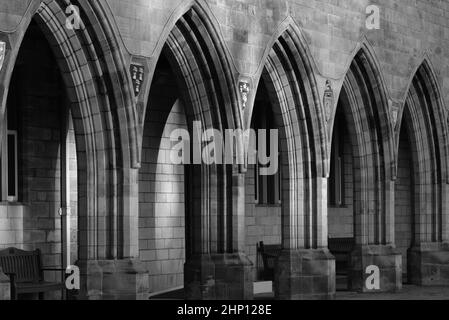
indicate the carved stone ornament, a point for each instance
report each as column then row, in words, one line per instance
column 138, row 77
column 328, row 100
column 244, row 89
column 394, row 112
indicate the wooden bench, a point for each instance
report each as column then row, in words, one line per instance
column 266, row 259
column 26, row 273
column 341, row 248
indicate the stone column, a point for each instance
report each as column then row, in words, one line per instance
column 305, row 268
column 375, row 247
column 429, row 257
column 216, row 267
column 429, row 264
column 385, row 258
column 111, row 269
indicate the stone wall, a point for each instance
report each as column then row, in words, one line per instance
column 11, row 225
column 409, row 31
column 263, row 222
column 162, row 209
column 40, row 108
column 341, row 219
column 34, row 221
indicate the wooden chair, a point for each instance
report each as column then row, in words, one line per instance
column 26, row 273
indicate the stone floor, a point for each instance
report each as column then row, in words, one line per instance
column 407, row 293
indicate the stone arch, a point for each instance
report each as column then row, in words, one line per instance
column 100, row 93
column 289, row 77
column 365, row 103
column 424, row 115
column 100, row 96
column 365, row 107
column 207, row 88
column 424, row 118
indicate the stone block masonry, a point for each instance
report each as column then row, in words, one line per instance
column 135, row 205
column 162, row 208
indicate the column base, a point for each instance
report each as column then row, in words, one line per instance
column 305, row 275
column 113, row 280
column 386, row 258
column 429, row 264
column 218, row 277
column 5, row 287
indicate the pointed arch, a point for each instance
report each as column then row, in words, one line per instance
column 205, row 83
column 100, row 96
column 196, row 18
column 289, row 76
column 365, row 103
column 205, row 78
column 373, row 76
column 105, row 34
column 424, row 117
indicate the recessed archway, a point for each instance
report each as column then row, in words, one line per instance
column 202, row 80
column 363, row 106
column 162, row 190
column 39, row 185
column 98, row 95
column 422, row 120
column 404, row 195
column 288, row 76
column 263, row 193
column 341, row 191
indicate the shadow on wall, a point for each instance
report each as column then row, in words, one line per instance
column 162, row 204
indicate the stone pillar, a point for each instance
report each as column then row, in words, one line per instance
column 429, row 264
column 91, row 280
column 109, row 267
column 305, row 269
column 218, row 277
column 5, row 286
column 305, row 275
column 113, row 280
column 124, row 280
column 385, row 258
column 216, row 267
column 429, row 256
column 375, row 244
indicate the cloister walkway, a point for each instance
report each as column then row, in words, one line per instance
column 408, row 292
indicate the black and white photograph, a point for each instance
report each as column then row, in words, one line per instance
column 253, row 151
